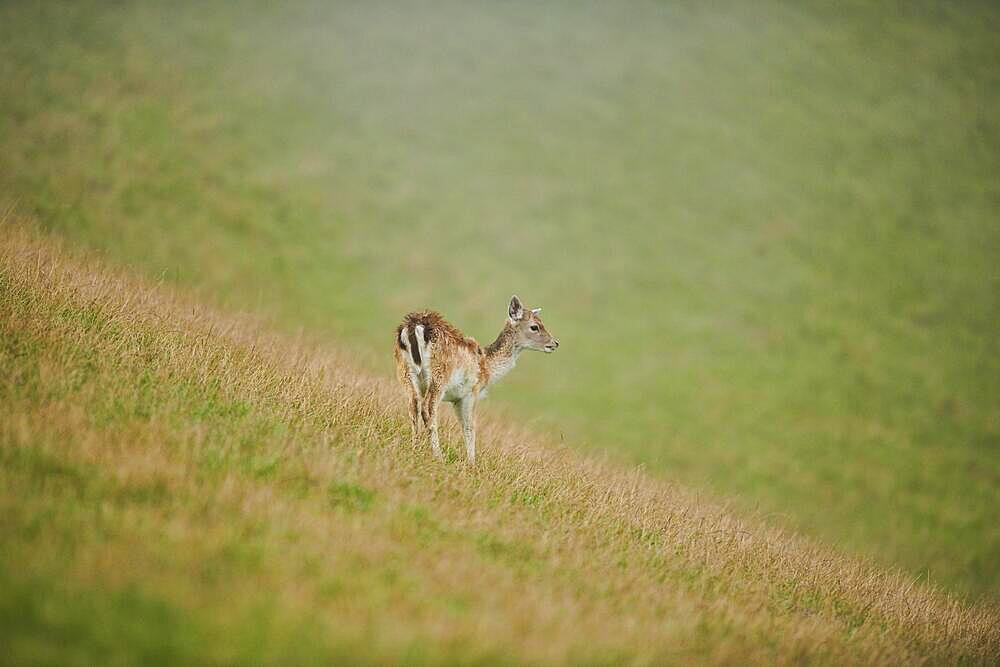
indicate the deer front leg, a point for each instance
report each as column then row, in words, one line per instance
column 430, row 410
column 466, row 410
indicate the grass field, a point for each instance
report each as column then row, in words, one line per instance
column 182, row 487
column 765, row 233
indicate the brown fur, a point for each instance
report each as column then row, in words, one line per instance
column 435, row 328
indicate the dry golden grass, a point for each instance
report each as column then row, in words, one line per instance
column 180, row 485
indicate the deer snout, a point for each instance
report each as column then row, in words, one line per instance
column 553, row 344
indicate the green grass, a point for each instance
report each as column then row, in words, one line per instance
column 179, row 486
column 765, row 234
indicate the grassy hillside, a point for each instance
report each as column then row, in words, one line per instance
column 179, row 486
column 766, row 233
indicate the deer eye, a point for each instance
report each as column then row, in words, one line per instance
column 534, row 327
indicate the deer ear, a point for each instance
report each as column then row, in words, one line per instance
column 535, row 311
column 515, row 310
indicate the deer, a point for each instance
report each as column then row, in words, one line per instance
column 436, row 362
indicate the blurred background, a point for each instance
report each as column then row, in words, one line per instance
column 767, row 234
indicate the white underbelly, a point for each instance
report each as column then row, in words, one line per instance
column 459, row 386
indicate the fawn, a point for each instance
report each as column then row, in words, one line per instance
column 435, row 361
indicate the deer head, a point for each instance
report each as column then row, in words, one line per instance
column 530, row 333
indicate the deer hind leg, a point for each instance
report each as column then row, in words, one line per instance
column 430, row 409
column 407, row 374
column 414, row 409
column 466, row 411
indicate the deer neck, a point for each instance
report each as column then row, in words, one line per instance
column 502, row 354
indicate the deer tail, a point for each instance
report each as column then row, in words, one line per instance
column 415, row 344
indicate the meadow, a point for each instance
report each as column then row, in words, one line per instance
column 182, row 486
column 765, row 234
